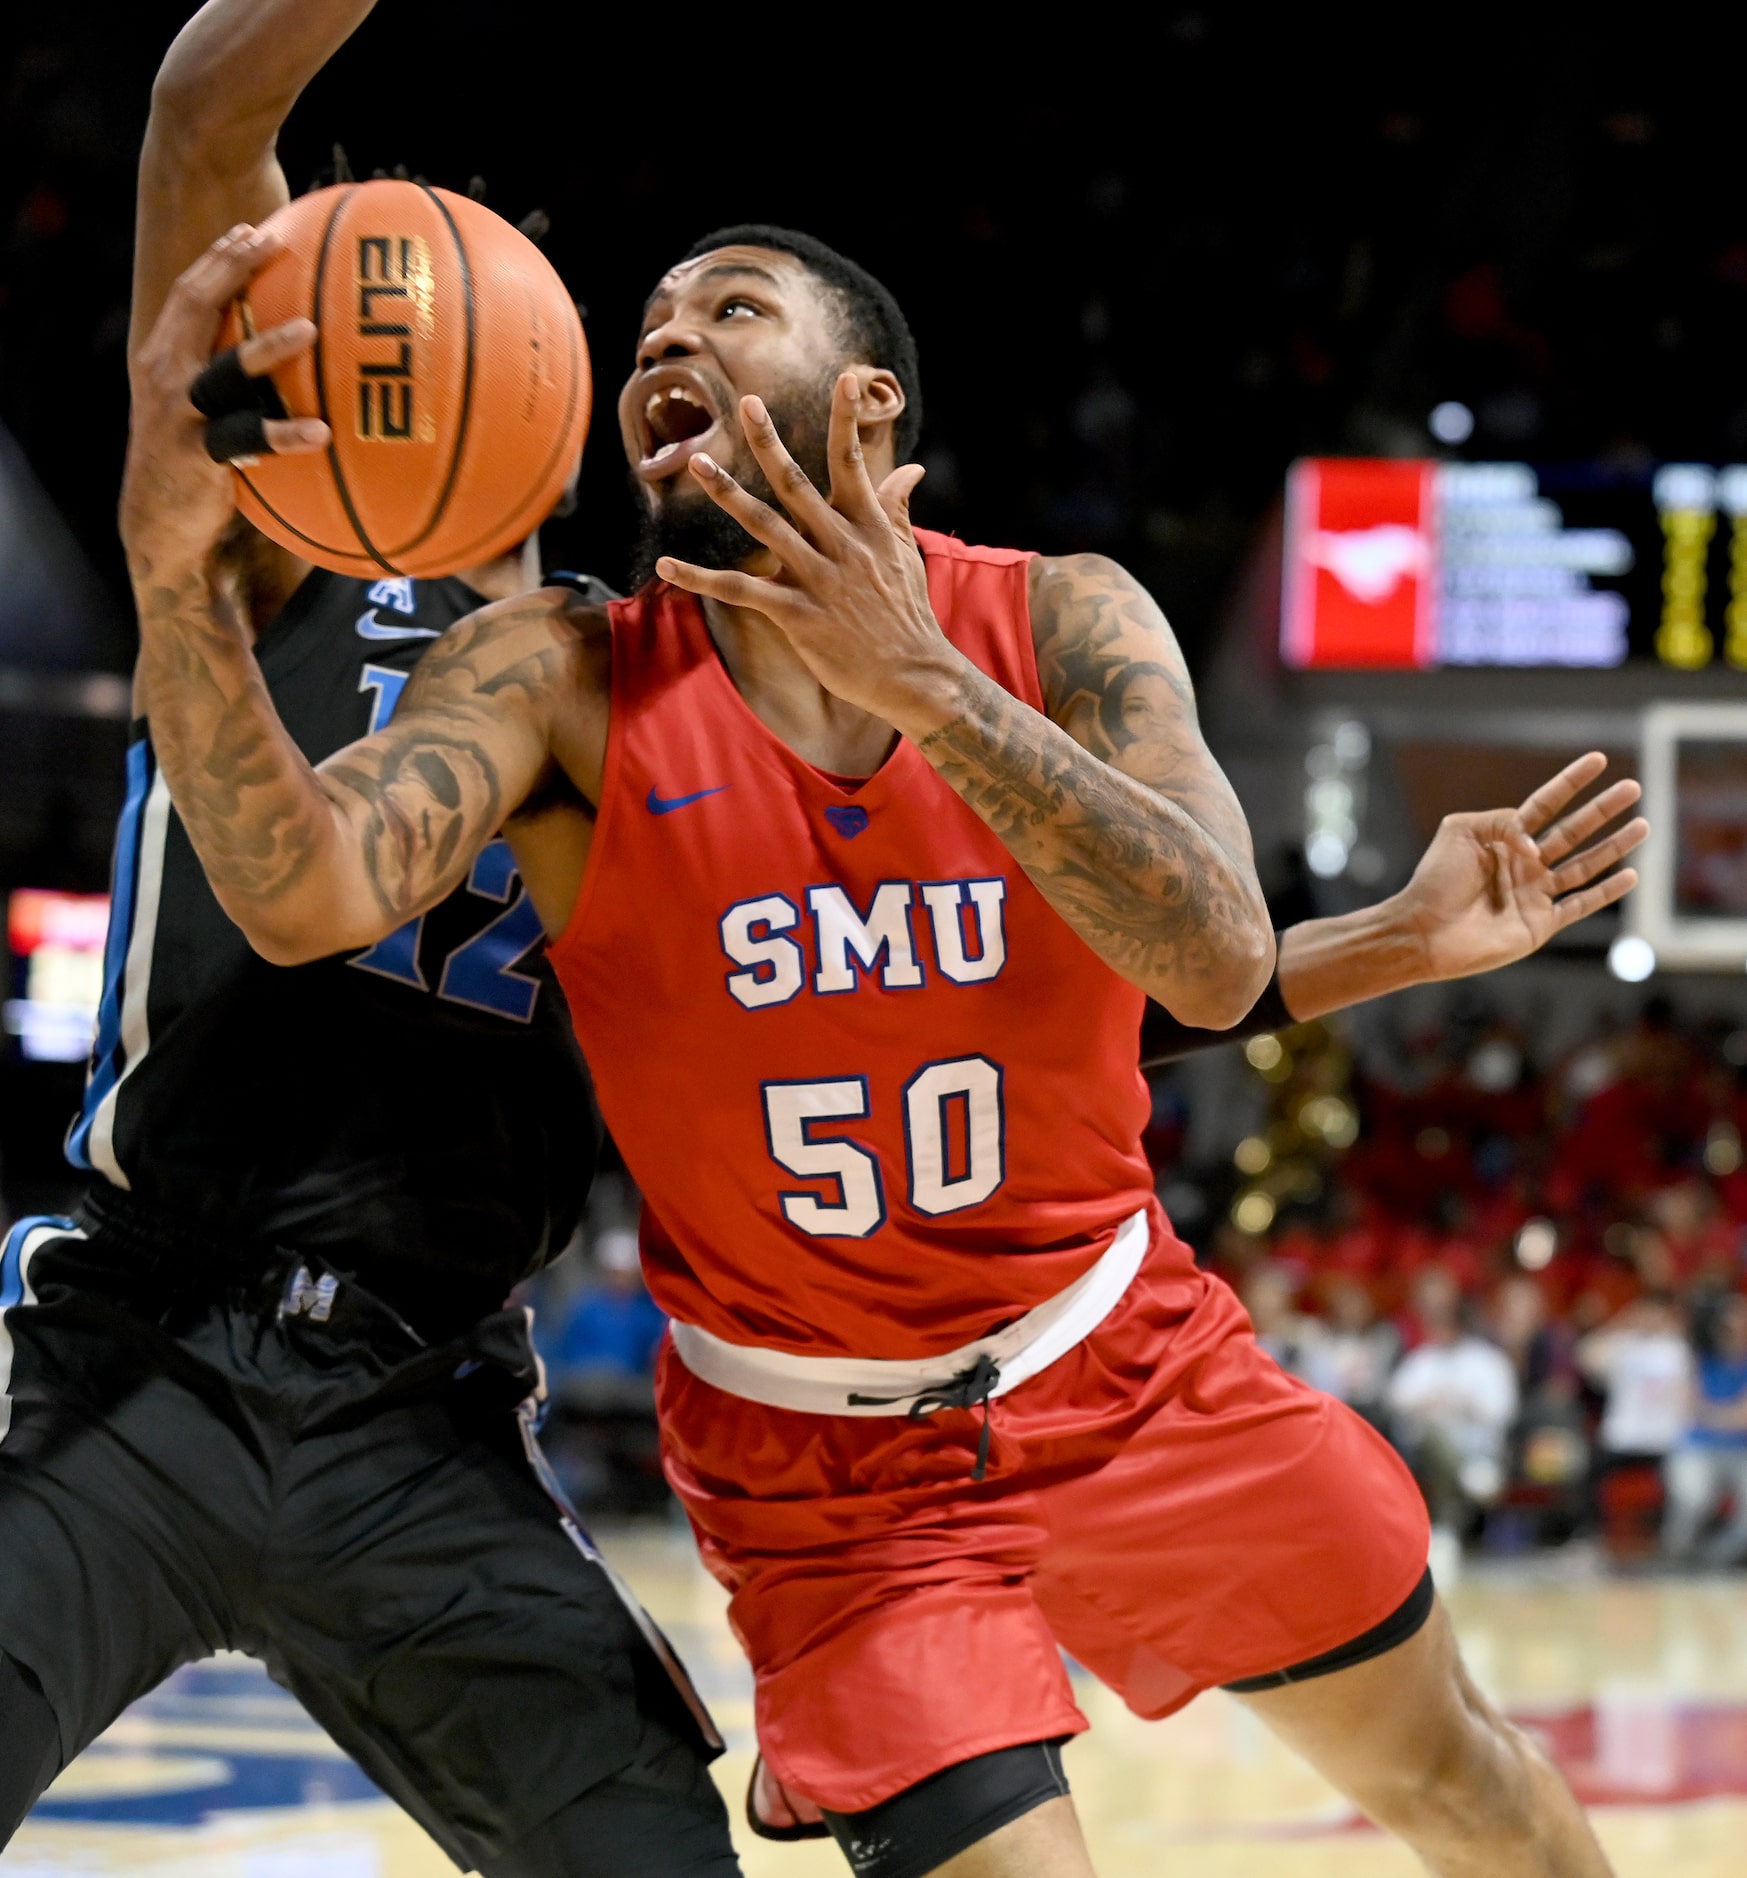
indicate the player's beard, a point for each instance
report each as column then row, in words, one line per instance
column 685, row 523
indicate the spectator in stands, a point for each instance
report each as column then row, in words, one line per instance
column 602, row 1350
column 1550, row 1450
column 1452, row 1402
column 1355, row 1353
column 1642, row 1362
column 1270, row 1295
column 1540, row 1350
column 1709, row 1468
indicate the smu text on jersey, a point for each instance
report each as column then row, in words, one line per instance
column 835, row 946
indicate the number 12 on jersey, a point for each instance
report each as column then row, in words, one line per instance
column 955, row 1145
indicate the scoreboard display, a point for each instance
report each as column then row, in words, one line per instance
column 56, row 940
column 1411, row 565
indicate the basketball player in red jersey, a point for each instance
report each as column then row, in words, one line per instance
column 878, row 841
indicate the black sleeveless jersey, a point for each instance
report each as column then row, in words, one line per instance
column 416, row 1114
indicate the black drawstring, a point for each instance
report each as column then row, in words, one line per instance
column 971, row 1388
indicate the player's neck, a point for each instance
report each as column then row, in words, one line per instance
column 510, row 574
column 770, row 675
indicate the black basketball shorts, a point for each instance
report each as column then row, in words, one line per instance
column 287, row 1471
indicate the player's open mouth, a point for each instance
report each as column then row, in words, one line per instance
column 675, row 420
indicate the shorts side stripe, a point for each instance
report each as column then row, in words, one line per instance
column 15, row 1288
column 665, row 1654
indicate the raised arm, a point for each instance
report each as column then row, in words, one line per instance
column 1131, row 834
column 225, row 88
column 310, row 861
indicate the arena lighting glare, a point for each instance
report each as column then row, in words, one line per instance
column 1334, row 798
column 1631, row 959
column 1536, row 1242
column 1451, row 422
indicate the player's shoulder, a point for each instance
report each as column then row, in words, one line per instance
column 547, row 637
column 1079, row 571
column 1079, row 588
column 1052, row 581
column 554, row 612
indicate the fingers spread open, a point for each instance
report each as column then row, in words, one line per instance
column 759, row 519
column 1576, row 828
column 1558, row 792
column 794, row 489
column 1576, row 906
column 1584, row 867
column 852, row 491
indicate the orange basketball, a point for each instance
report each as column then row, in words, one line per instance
column 450, row 366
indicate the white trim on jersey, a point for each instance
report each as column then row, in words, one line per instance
column 136, row 976
column 31, row 1233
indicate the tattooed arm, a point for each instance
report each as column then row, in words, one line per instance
column 1115, row 806
column 312, row 861
column 308, row 860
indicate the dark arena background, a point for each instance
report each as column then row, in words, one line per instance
column 1405, row 361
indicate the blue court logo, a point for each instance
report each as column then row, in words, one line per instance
column 217, row 1738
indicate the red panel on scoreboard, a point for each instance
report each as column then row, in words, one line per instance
column 1361, row 563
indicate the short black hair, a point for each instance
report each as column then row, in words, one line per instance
column 877, row 328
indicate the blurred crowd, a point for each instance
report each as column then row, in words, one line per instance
column 1532, row 1280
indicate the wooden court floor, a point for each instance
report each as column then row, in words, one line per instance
column 1640, row 1686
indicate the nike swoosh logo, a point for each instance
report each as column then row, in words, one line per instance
column 659, row 805
column 370, row 627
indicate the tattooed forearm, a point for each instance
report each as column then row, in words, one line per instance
column 310, row 861
column 1115, row 680
column 1115, row 810
column 221, row 746
column 430, row 783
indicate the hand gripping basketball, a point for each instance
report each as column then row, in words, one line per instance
column 237, row 409
column 191, row 413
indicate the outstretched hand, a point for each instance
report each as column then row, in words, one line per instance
column 176, row 503
column 848, row 589
column 1495, row 886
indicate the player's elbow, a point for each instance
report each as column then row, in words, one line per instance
column 286, row 946
column 198, row 121
column 186, row 106
column 1233, row 975
column 288, row 937
column 277, row 950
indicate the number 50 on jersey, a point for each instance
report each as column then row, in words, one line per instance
column 954, row 1123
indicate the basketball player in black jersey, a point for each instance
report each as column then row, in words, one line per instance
column 261, row 1392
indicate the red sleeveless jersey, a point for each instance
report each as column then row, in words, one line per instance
column 879, row 1097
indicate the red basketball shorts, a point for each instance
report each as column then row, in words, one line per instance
column 1164, row 1503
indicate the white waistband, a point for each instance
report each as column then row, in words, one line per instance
column 839, row 1385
